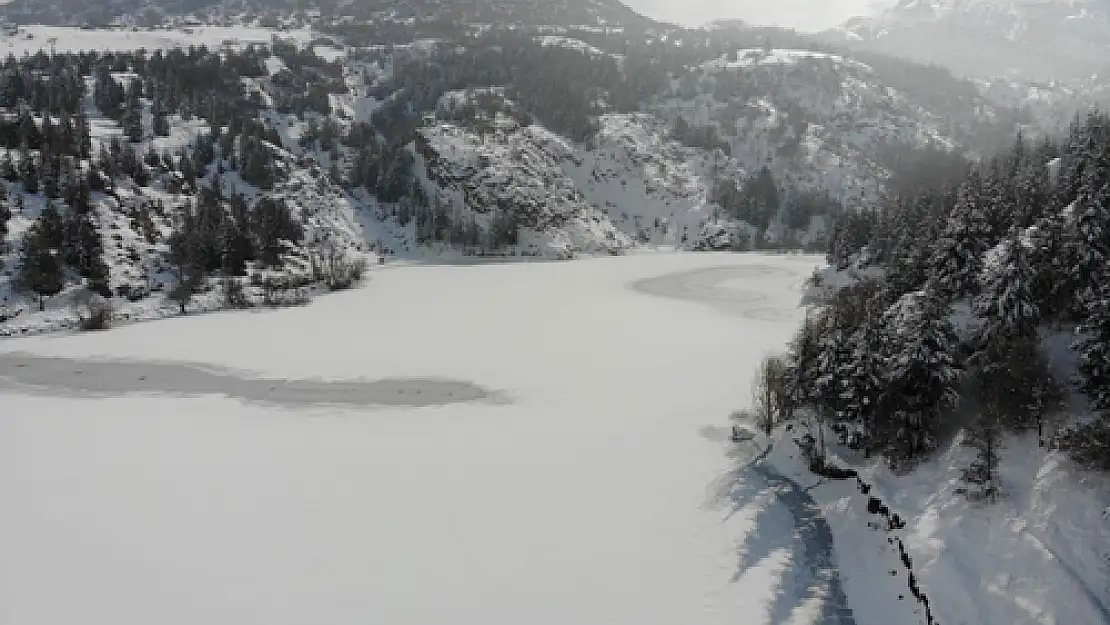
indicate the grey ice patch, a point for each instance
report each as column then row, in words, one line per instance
column 39, row 375
column 702, row 285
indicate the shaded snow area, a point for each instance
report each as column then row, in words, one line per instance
column 812, row 590
column 1036, row 557
column 589, row 494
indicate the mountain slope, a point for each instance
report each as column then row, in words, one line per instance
column 553, row 12
column 1038, row 39
column 821, row 121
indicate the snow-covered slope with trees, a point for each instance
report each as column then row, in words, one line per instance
column 957, row 358
column 123, row 191
column 817, row 120
column 492, row 179
column 558, row 145
column 1034, row 39
column 290, row 147
column 531, row 12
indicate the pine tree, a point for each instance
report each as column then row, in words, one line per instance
column 273, row 224
column 160, row 121
column 84, row 251
column 985, row 436
column 1087, row 242
column 238, row 248
column 958, row 255
column 1008, row 302
column 185, row 258
column 28, row 173
column 41, row 269
column 5, row 216
column 803, row 357
column 921, row 375
column 1051, row 292
column 84, row 136
column 1030, row 195
column 51, row 227
column 862, row 385
column 8, row 170
column 1094, row 350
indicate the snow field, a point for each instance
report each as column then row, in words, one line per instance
column 32, row 39
column 588, row 498
column 1038, row 556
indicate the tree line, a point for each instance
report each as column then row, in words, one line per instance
column 1015, row 250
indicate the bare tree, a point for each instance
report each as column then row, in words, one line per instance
column 770, row 394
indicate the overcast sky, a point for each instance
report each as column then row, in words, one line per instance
column 801, row 14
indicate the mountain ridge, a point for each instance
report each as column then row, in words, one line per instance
column 1030, row 39
column 557, row 12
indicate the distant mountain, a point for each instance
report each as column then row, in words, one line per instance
column 1031, row 39
column 553, row 12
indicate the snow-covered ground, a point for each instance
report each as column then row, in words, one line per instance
column 31, row 39
column 1038, row 556
column 585, row 488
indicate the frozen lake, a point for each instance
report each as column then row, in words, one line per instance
column 567, row 478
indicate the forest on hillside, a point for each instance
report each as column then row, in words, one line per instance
column 231, row 103
column 958, row 291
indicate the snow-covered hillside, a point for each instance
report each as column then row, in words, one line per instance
column 652, row 187
column 1038, row 555
column 499, row 180
column 136, row 221
column 817, row 120
column 560, row 12
column 1032, row 39
column 486, row 175
column 630, row 182
column 34, row 38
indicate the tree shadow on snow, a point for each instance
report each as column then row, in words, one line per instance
column 811, row 580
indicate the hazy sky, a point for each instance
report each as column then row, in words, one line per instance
column 800, row 14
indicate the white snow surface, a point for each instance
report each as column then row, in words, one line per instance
column 1038, row 556
column 32, row 39
column 585, row 497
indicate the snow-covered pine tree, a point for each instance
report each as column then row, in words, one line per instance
column 1094, row 348
column 985, row 436
column 861, row 381
column 28, row 171
column 802, row 357
column 5, row 216
column 921, row 376
column 1089, row 443
column 1030, row 195
column 83, row 250
column 1008, row 303
column 957, row 256
column 1051, row 291
column 42, row 271
column 1087, row 237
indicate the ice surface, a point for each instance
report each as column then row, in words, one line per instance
column 107, row 378
column 587, row 499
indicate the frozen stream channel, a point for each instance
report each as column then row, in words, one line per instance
column 593, row 488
